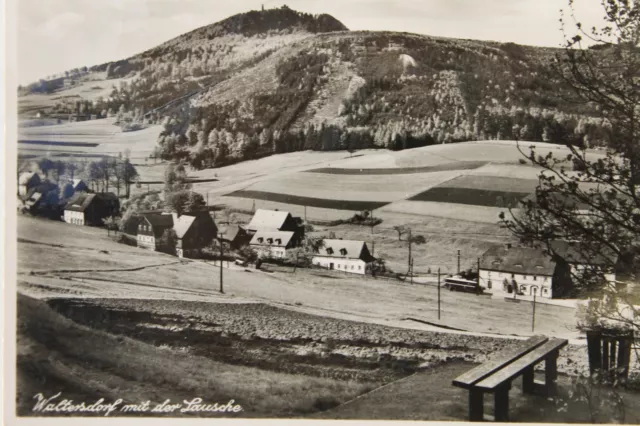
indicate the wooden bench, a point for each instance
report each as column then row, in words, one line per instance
column 496, row 376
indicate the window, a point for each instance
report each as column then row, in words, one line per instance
column 523, row 288
column 545, row 291
column 524, row 277
column 513, row 275
column 489, row 284
column 343, row 251
column 329, row 250
column 359, row 267
column 535, row 278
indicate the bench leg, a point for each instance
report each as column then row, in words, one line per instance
column 476, row 405
column 501, row 407
column 551, row 374
column 528, row 385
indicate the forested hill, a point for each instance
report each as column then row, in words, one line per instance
column 278, row 80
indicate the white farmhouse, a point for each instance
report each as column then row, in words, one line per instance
column 508, row 270
column 272, row 243
column 344, row 255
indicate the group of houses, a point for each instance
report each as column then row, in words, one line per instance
column 270, row 233
column 193, row 231
column 70, row 200
column 511, row 271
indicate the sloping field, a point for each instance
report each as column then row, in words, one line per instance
column 94, row 137
column 461, row 165
column 489, row 191
column 373, row 187
column 500, row 152
column 439, row 209
column 310, row 201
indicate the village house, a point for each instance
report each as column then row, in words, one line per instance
column 26, row 182
column 275, row 220
column 79, row 185
column 195, row 231
column 272, row 243
column 508, row 270
column 91, row 209
column 151, row 227
column 344, row 255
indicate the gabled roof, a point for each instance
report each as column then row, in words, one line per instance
column 572, row 254
column 76, row 182
column 271, row 238
column 160, row 220
column 181, row 224
column 26, row 177
column 33, row 199
column 268, row 220
column 517, row 260
column 345, row 249
column 79, row 202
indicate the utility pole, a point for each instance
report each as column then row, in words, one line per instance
column 221, row 257
column 305, row 214
column 438, row 294
column 409, row 250
column 478, row 289
column 411, row 270
column 458, row 262
column 533, row 318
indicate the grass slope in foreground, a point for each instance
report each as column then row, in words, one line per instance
column 57, row 355
column 309, row 201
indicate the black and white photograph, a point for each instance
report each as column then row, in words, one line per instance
column 390, row 210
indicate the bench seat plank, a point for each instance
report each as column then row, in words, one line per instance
column 517, row 367
column 477, row 374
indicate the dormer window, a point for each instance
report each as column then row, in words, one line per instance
column 329, row 250
column 278, row 241
column 343, row 251
column 270, row 240
column 260, row 239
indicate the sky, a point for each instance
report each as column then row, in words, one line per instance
column 57, row 35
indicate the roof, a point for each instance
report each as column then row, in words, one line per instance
column 267, row 220
column 33, row 199
column 79, row 202
column 518, row 260
column 26, row 177
column 76, row 182
column 160, row 220
column 277, row 238
column 571, row 253
column 345, row 249
column 181, row 224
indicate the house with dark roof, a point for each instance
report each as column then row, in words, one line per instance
column 344, row 255
column 91, row 209
column 26, row 182
column 522, row 270
column 272, row 243
column 194, row 231
column 79, row 185
column 151, row 227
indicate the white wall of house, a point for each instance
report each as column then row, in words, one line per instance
column 493, row 282
column 147, row 241
column 354, row 266
column 73, row 217
column 264, row 251
column 576, row 269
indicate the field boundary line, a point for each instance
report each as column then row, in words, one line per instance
column 72, row 271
